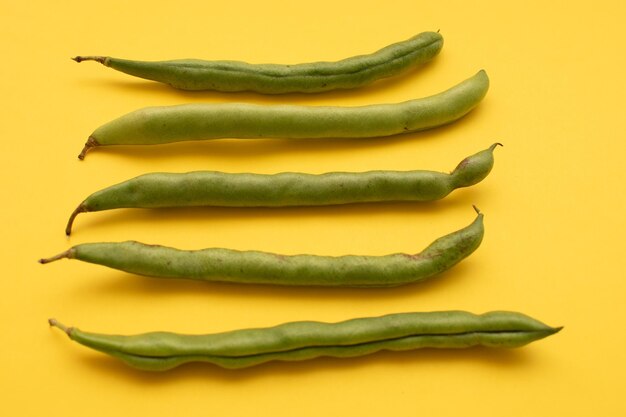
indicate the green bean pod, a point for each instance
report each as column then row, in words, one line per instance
column 315, row 77
column 297, row 341
column 254, row 267
column 188, row 122
column 209, row 188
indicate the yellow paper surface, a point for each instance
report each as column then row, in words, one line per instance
column 554, row 208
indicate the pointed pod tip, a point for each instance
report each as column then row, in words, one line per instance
column 495, row 145
column 476, row 209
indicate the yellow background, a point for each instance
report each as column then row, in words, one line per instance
column 554, row 208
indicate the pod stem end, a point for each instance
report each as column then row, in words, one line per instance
column 57, row 324
column 80, row 209
column 100, row 59
column 91, row 143
column 67, row 254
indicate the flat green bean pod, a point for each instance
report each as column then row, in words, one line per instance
column 254, row 267
column 297, row 341
column 315, row 77
column 188, row 122
column 209, row 188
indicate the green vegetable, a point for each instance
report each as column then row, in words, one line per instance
column 193, row 74
column 160, row 351
column 187, row 122
column 208, row 188
column 254, row 267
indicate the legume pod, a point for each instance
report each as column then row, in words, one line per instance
column 188, row 122
column 208, row 188
column 297, row 341
column 194, row 74
column 254, row 267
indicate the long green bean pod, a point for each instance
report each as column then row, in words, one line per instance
column 188, row 122
column 315, row 77
column 297, row 341
column 208, row 188
column 254, row 267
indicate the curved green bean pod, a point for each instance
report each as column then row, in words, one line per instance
column 254, row 267
column 194, row 74
column 209, row 188
column 187, row 122
column 296, row 341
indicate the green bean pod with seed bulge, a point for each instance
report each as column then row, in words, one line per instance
column 208, row 188
column 255, row 267
column 189, row 122
column 315, row 77
column 297, row 341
